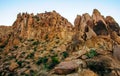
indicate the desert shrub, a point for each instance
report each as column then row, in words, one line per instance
column 91, row 53
column 39, row 61
column 42, row 60
column 35, row 48
column 35, row 43
column 19, row 62
column 15, row 46
column 31, row 55
column 65, row 54
column 53, row 63
column 55, row 59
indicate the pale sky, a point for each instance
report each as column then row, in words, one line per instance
column 67, row 8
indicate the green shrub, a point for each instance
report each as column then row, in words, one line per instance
column 19, row 62
column 39, row 61
column 91, row 53
column 31, row 55
column 15, row 47
column 65, row 54
column 35, row 48
column 35, row 43
column 54, row 62
column 42, row 60
column 55, row 59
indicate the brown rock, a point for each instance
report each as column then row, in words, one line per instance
column 113, row 25
column 66, row 67
column 55, row 33
column 97, row 17
column 100, row 42
column 116, row 52
column 13, row 66
column 87, row 72
column 84, row 57
column 115, row 37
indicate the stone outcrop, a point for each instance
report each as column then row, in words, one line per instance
column 95, row 25
column 47, row 44
column 37, row 26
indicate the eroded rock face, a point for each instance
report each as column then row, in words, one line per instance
column 49, row 41
column 95, row 25
column 113, row 25
column 37, row 26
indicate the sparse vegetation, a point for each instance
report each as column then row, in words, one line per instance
column 35, row 48
column 19, row 62
column 31, row 55
column 54, row 62
column 15, row 46
column 65, row 54
column 91, row 53
column 35, row 43
column 47, row 44
column 42, row 60
column 48, row 65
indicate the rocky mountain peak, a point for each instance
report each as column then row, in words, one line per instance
column 29, row 25
column 47, row 44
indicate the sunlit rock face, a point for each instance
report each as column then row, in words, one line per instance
column 47, row 44
column 36, row 26
column 95, row 25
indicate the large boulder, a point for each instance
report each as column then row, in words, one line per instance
column 67, row 67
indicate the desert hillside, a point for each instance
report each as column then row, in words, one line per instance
column 47, row 44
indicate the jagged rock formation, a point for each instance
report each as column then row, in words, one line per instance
column 30, row 26
column 98, row 24
column 47, row 44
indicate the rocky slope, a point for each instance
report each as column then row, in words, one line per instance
column 47, row 44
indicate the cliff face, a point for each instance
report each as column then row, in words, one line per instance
column 38, row 42
column 96, row 24
column 31, row 26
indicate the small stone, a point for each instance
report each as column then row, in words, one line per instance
column 84, row 57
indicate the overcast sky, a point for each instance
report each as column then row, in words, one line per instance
column 67, row 8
